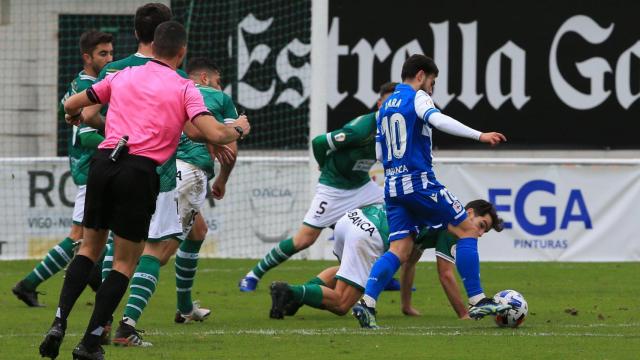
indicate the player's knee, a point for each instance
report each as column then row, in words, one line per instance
column 402, row 249
column 303, row 242
column 124, row 266
column 305, row 238
column 90, row 251
column 199, row 233
column 164, row 259
column 343, row 309
column 76, row 232
column 155, row 249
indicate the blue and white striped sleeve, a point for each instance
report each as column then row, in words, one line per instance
column 424, row 106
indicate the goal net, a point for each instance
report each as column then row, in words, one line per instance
column 263, row 50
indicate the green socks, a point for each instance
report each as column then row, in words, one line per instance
column 57, row 259
column 186, row 266
column 107, row 260
column 308, row 294
column 279, row 254
column 143, row 285
column 315, row 281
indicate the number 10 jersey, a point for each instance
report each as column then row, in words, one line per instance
column 404, row 136
column 413, row 196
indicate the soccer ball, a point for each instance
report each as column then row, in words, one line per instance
column 514, row 317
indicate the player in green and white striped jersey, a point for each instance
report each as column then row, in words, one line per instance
column 97, row 50
column 345, row 157
column 362, row 236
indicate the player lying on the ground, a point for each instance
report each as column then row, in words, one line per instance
column 345, row 157
column 97, row 50
column 194, row 168
column 361, row 236
column 413, row 196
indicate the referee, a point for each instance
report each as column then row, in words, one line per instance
column 149, row 106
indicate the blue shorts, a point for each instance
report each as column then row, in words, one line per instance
column 429, row 207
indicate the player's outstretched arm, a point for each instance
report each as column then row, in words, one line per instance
column 446, row 274
column 453, row 127
column 427, row 111
column 406, row 282
column 219, row 134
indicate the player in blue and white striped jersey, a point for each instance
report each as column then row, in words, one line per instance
column 413, row 196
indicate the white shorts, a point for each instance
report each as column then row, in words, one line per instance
column 78, row 207
column 192, row 192
column 357, row 248
column 165, row 223
column 330, row 204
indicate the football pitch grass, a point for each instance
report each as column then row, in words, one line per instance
column 576, row 311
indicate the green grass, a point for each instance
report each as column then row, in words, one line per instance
column 606, row 296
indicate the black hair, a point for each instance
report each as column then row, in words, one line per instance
column 201, row 63
column 147, row 19
column 418, row 62
column 169, row 38
column 89, row 40
column 387, row 88
column 481, row 208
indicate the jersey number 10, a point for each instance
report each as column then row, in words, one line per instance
column 394, row 130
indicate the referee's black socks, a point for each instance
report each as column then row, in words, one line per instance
column 107, row 299
column 75, row 281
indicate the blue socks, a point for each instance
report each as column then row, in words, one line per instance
column 468, row 264
column 381, row 272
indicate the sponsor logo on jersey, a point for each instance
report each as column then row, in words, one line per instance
column 361, row 222
column 396, row 170
column 363, row 165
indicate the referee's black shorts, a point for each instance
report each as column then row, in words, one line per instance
column 121, row 196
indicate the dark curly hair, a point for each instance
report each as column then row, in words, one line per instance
column 481, row 208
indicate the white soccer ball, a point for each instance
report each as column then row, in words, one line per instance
column 514, row 317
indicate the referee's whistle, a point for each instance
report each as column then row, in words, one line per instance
column 118, row 149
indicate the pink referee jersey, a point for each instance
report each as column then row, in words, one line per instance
column 150, row 104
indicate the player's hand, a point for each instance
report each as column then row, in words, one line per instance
column 492, row 138
column 75, row 119
column 243, row 122
column 218, row 189
column 410, row 311
column 224, row 154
